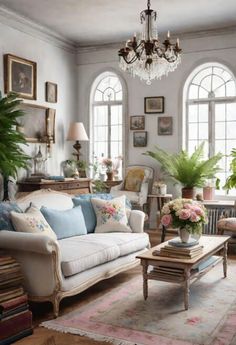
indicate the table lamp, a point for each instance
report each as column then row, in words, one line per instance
column 77, row 132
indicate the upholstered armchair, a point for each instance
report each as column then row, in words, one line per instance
column 136, row 186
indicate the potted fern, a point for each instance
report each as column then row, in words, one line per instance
column 189, row 170
column 12, row 156
column 231, row 180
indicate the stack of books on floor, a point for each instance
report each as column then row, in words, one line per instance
column 181, row 252
column 15, row 317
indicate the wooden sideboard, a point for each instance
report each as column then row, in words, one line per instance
column 77, row 186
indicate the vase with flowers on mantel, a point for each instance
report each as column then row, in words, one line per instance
column 186, row 215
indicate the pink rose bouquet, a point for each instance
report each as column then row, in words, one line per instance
column 186, row 213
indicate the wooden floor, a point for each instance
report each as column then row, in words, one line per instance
column 43, row 311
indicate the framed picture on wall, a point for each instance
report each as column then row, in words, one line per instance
column 165, row 125
column 51, row 92
column 140, row 139
column 137, row 122
column 20, row 76
column 154, row 105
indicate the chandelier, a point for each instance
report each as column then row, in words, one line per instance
column 147, row 57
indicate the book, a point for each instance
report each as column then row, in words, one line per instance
column 13, row 303
column 13, row 311
column 15, row 323
column 11, row 293
column 175, row 252
column 6, row 276
column 13, row 282
column 178, row 256
column 10, row 265
column 15, row 337
column 6, row 260
column 183, row 249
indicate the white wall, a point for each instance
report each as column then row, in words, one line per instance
column 53, row 64
column 221, row 48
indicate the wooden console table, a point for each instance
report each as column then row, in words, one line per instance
column 77, row 186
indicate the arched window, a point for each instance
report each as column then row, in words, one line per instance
column 210, row 101
column 107, row 113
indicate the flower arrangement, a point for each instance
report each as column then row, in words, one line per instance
column 108, row 164
column 184, row 213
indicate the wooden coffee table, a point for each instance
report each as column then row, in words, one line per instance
column 188, row 267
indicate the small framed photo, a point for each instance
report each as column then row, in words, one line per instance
column 20, row 76
column 154, row 105
column 137, row 122
column 51, row 92
column 165, row 125
column 140, row 139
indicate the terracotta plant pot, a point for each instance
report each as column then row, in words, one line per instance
column 188, row 193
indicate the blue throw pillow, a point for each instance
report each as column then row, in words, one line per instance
column 104, row 196
column 5, row 217
column 66, row 223
column 88, row 212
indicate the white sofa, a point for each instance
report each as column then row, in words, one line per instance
column 54, row 269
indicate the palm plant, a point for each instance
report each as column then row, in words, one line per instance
column 189, row 170
column 12, row 156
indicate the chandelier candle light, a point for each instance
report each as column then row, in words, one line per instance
column 147, row 57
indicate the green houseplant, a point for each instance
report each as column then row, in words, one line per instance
column 12, row 156
column 188, row 170
column 231, row 180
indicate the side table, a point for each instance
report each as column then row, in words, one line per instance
column 159, row 200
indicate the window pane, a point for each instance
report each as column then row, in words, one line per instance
column 203, row 131
column 100, row 133
column 192, row 145
column 116, row 114
column 193, row 92
column 109, row 94
column 231, row 111
column 98, row 96
column 203, row 93
column 230, row 144
column 192, row 113
column 206, row 83
column 116, row 133
column 230, row 89
column 119, row 96
column 100, row 115
column 101, row 149
column 192, row 131
column 203, row 73
column 220, row 112
column 217, row 82
column 220, row 130
column 203, row 113
column 115, row 149
column 231, row 130
column 220, row 146
column 221, row 91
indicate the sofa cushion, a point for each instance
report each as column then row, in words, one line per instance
column 83, row 252
column 111, row 215
column 32, row 221
column 103, row 196
column 5, row 218
column 65, row 223
column 88, row 212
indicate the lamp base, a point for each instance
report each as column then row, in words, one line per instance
column 77, row 147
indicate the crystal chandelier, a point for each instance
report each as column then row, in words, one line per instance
column 147, row 57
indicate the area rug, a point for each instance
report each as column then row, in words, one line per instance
column 122, row 317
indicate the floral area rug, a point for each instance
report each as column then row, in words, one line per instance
column 122, row 317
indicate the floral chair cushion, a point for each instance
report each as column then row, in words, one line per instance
column 111, row 215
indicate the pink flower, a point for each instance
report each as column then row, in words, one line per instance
column 198, row 211
column 188, row 206
column 166, row 220
column 184, row 214
column 194, row 217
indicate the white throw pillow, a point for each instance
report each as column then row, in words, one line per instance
column 111, row 215
column 32, row 221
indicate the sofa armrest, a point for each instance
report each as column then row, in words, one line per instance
column 117, row 187
column 136, row 220
column 27, row 242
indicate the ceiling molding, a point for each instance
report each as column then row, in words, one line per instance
column 182, row 35
column 26, row 25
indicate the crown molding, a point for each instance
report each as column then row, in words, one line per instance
column 26, row 25
column 182, row 35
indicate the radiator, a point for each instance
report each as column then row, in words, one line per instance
column 214, row 214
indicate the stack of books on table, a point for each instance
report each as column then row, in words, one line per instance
column 181, row 252
column 15, row 317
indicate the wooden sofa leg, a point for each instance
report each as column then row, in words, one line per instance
column 56, row 304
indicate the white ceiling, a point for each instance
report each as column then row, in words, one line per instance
column 92, row 22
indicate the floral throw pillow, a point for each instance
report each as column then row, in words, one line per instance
column 111, row 215
column 32, row 221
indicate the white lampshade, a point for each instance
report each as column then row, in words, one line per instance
column 77, row 132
